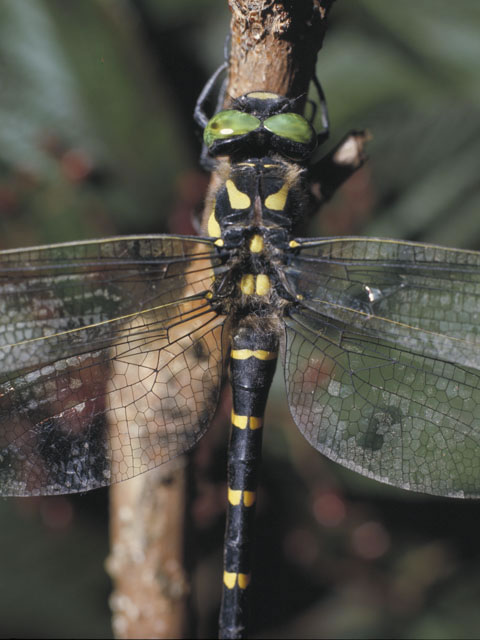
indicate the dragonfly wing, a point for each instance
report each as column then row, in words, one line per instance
column 45, row 291
column 115, row 364
column 388, row 386
column 426, row 297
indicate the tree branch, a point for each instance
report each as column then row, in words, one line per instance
column 274, row 45
column 329, row 173
column 146, row 554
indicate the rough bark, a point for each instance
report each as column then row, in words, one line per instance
column 147, row 516
column 274, row 45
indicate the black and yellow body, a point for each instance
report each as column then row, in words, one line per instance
column 255, row 203
column 259, row 194
column 250, row 293
column 253, row 359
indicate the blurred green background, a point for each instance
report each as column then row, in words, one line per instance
column 97, row 138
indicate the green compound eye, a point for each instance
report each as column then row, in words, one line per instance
column 227, row 124
column 291, row 126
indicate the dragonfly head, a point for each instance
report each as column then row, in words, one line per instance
column 259, row 123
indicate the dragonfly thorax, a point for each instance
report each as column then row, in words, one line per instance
column 251, row 283
column 262, row 192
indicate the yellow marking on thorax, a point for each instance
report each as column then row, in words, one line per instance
column 260, row 354
column 219, row 243
column 213, row 228
column 259, row 284
column 256, row 244
column 230, row 579
column 242, row 421
column 237, row 199
column 247, row 284
column 276, row 201
column 293, row 244
column 262, row 285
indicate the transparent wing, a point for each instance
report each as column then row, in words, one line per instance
column 382, row 358
column 423, row 296
column 390, row 414
column 111, row 359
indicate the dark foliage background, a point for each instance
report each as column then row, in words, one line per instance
column 96, row 138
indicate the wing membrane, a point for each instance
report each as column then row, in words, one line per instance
column 45, row 291
column 115, row 364
column 382, row 359
column 389, row 413
column 421, row 297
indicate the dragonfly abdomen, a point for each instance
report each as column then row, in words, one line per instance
column 253, row 359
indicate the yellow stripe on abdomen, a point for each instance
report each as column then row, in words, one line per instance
column 230, row 579
column 243, row 421
column 236, row 496
column 260, row 354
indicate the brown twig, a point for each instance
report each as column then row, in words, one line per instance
column 274, row 45
column 146, row 555
column 338, row 165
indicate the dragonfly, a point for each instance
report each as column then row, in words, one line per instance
column 113, row 352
